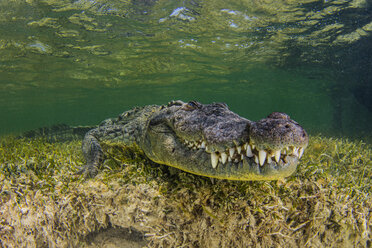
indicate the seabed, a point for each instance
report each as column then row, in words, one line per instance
column 134, row 202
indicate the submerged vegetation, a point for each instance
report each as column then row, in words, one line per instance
column 327, row 202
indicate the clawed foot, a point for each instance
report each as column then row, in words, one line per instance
column 88, row 171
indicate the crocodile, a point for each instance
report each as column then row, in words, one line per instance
column 204, row 139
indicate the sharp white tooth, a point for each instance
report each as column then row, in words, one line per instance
column 236, row 160
column 242, row 157
column 262, row 156
column 202, row 145
column 223, row 157
column 256, row 159
column 253, row 146
column 214, row 159
column 245, row 146
column 277, row 156
column 295, row 151
column 229, row 159
column 301, row 152
column 249, row 151
column 239, row 149
column 231, row 152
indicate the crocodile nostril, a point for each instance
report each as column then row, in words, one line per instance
column 287, row 126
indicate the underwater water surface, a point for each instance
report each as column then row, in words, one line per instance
column 79, row 62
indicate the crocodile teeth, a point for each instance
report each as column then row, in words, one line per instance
column 256, row 159
column 223, row 157
column 214, row 159
column 232, row 151
column 249, row 151
column 240, row 153
column 262, row 156
column 301, row 152
column 295, row 151
column 239, row 149
column 277, row 156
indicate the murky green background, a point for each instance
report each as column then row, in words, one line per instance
column 79, row 62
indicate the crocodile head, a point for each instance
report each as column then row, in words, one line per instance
column 210, row 140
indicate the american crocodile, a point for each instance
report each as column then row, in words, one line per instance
column 203, row 139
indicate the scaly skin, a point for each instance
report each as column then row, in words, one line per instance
column 207, row 140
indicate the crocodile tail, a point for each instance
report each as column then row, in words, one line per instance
column 58, row 133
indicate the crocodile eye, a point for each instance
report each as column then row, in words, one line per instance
column 191, row 105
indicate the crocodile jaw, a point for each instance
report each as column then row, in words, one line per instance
column 210, row 140
column 194, row 157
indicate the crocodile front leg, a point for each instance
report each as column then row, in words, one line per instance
column 93, row 154
column 107, row 132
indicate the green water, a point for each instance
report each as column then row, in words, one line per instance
column 79, row 62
